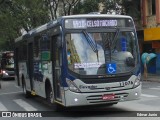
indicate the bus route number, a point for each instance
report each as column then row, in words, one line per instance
column 125, row 83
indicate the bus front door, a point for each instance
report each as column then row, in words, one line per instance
column 57, row 63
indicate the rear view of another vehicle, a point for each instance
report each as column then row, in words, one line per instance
column 7, row 65
column 8, row 73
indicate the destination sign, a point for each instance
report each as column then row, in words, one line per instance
column 94, row 23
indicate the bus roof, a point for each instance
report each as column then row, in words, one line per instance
column 95, row 16
column 54, row 22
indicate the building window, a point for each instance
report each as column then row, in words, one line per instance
column 151, row 7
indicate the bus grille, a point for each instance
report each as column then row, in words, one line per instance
column 98, row 98
column 105, row 80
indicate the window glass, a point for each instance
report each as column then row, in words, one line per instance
column 90, row 53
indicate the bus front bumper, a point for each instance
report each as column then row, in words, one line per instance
column 82, row 99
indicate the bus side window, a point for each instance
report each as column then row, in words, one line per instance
column 69, row 51
column 58, row 51
column 36, row 48
column 45, row 48
column 45, row 53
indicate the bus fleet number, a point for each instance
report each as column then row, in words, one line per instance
column 125, row 83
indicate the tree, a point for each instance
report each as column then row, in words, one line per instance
column 112, row 6
column 7, row 29
column 86, row 7
column 53, row 7
column 125, row 7
column 132, row 8
column 31, row 13
column 68, row 6
column 16, row 15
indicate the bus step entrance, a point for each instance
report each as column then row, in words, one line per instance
column 33, row 92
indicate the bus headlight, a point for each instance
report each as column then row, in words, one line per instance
column 71, row 85
column 137, row 81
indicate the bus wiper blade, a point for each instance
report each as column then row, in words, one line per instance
column 115, row 37
column 90, row 41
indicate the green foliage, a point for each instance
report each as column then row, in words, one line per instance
column 112, row 6
column 86, row 7
column 28, row 14
column 132, row 8
column 126, row 7
column 18, row 14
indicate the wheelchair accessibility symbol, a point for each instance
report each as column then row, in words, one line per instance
column 111, row 68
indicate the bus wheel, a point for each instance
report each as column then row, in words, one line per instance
column 49, row 95
column 50, row 100
column 26, row 93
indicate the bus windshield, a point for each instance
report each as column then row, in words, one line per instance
column 91, row 57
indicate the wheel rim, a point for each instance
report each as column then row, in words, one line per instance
column 51, row 97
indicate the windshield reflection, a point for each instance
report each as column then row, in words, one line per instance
column 91, row 53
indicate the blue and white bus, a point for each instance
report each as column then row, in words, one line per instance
column 80, row 60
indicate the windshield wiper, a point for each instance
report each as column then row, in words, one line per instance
column 110, row 42
column 90, row 41
column 115, row 37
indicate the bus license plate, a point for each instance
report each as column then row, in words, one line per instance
column 108, row 97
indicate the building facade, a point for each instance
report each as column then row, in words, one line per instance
column 149, row 31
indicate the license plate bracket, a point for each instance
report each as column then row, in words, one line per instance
column 108, row 96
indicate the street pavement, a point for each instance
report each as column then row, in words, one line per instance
column 151, row 78
column 12, row 99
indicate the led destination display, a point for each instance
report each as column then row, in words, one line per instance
column 94, row 23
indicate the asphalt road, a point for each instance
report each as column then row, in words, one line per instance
column 12, row 99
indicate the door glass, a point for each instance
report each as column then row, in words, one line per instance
column 57, row 68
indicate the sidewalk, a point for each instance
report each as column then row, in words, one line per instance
column 152, row 77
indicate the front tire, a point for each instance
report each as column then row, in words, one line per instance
column 49, row 95
column 50, row 100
